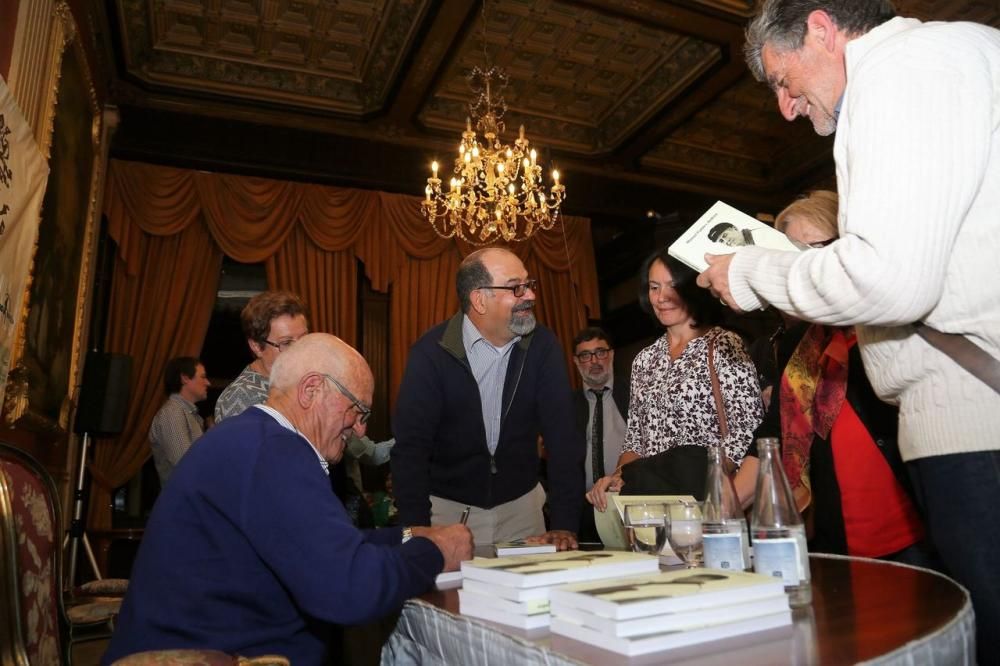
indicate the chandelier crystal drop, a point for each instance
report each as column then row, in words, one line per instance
column 496, row 192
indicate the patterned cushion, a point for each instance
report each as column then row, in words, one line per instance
column 94, row 610
column 106, row 587
column 37, row 553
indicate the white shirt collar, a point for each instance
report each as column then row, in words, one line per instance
column 285, row 423
column 471, row 336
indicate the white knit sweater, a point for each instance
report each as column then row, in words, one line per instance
column 918, row 169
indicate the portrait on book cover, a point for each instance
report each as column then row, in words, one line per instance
column 728, row 234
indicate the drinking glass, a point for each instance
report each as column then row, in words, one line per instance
column 683, row 522
column 646, row 527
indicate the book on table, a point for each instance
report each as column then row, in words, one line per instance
column 666, row 592
column 668, row 640
column 448, row 580
column 722, row 230
column 519, row 594
column 557, row 568
column 500, row 616
column 530, row 614
column 522, row 547
column 676, row 621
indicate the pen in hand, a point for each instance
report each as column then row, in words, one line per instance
column 465, row 515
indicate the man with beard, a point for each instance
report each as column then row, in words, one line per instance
column 478, row 391
column 601, row 410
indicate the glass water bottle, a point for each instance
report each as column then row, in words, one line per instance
column 779, row 536
column 724, row 528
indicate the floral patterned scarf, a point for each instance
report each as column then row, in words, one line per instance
column 813, row 388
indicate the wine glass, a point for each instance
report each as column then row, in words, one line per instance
column 683, row 522
column 646, row 527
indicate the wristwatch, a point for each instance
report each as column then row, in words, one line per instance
column 407, row 534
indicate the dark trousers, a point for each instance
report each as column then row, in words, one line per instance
column 960, row 496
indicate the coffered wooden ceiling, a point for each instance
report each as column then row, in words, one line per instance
column 648, row 94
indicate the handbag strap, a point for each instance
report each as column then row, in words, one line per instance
column 716, row 391
column 965, row 353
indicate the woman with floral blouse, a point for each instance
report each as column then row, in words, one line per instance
column 672, row 403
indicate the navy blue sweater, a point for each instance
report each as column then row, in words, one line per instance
column 441, row 446
column 249, row 551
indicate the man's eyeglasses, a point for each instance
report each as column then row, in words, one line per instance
column 600, row 354
column 822, row 243
column 518, row 289
column 364, row 413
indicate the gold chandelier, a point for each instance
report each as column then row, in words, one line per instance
column 497, row 192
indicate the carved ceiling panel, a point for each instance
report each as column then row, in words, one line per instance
column 341, row 57
column 579, row 78
column 652, row 92
column 738, row 137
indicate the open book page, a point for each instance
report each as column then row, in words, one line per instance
column 722, row 230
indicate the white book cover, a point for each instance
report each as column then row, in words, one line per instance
column 511, row 593
column 522, row 547
column 668, row 640
column 667, row 592
column 520, row 621
column 448, row 580
column 557, row 568
column 721, row 230
column 677, row 621
column 471, row 598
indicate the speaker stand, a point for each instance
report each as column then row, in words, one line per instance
column 77, row 533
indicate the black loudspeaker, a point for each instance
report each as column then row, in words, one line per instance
column 103, row 394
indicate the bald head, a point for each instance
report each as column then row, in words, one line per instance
column 301, row 390
column 318, row 352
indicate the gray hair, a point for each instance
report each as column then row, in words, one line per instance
column 782, row 24
column 472, row 275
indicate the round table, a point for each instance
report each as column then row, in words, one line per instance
column 862, row 611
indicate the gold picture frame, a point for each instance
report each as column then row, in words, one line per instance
column 52, row 331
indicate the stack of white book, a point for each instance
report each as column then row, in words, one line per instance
column 638, row 615
column 515, row 590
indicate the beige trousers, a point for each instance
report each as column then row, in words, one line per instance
column 518, row 518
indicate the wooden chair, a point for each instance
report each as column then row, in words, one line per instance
column 33, row 625
column 37, row 627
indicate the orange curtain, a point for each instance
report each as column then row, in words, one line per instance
column 327, row 281
column 159, row 310
column 172, row 227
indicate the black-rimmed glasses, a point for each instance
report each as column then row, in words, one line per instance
column 364, row 413
column 281, row 346
column 519, row 290
column 600, row 354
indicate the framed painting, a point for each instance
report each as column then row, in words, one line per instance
column 53, row 333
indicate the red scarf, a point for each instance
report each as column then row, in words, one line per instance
column 813, row 388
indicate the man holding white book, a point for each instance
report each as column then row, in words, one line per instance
column 916, row 110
